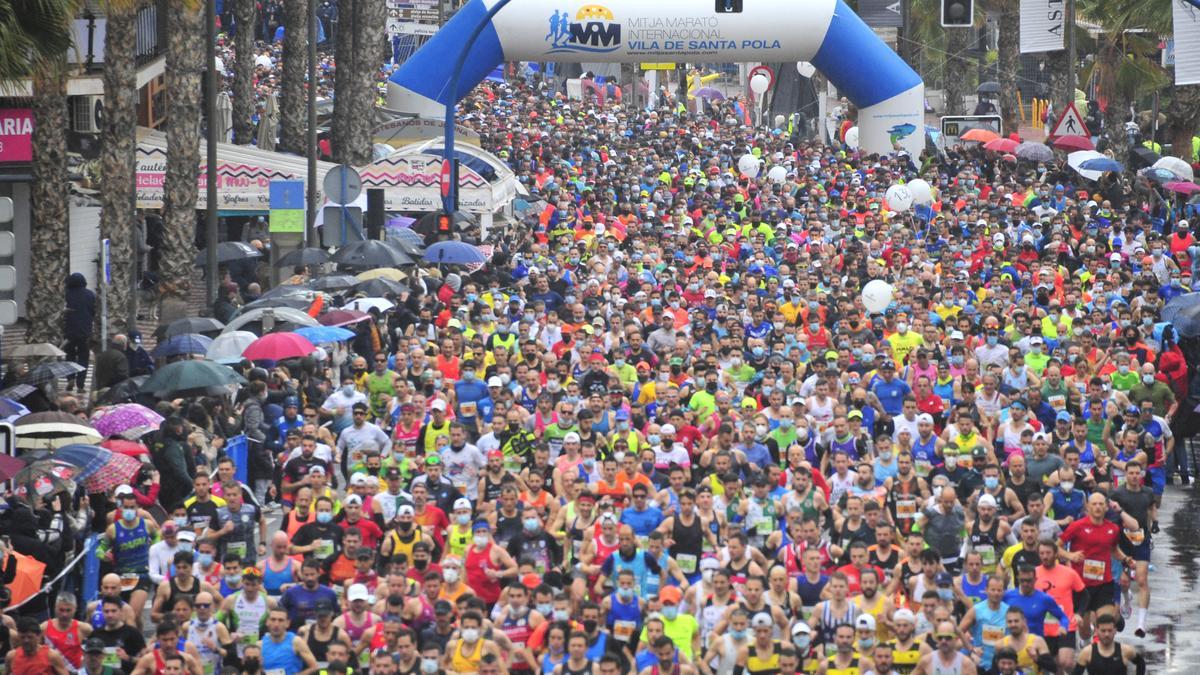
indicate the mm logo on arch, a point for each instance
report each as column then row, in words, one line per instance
column 592, row 30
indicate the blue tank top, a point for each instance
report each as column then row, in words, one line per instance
column 1087, row 457
column 810, row 593
column 653, row 583
column 596, row 651
column 528, row 402
column 925, row 451
column 810, row 450
column 850, row 447
column 548, row 662
column 945, row 391
column 132, row 549
column 273, row 581
column 637, row 566
column 977, row 591
column 624, row 619
column 1065, row 505
column 601, row 426
column 989, row 623
column 281, row 655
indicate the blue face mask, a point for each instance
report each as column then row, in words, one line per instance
column 128, row 514
column 531, row 524
column 992, row 340
column 738, row 635
column 991, row 482
column 205, row 559
column 670, row 612
column 324, row 517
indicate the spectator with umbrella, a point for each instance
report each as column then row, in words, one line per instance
column 78, row 319
column 112, row 366
column 227, row 303
column 175, row 463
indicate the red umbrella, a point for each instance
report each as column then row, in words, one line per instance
column 123, row 447
column 1182, row 187
column 342, row 317
column 979, row 135
column 1001, row 145
column 278, row 346
column 1009, row 158
column 1073, row 143
column 9, row 466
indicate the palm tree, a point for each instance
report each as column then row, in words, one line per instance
column 1183, row 120
column 293, row 120
column 34, row 38
column 244, row 12
column 185, row 63
column 1008, row 14
column 118, row 156
column 1126, row 63
column 359, row 52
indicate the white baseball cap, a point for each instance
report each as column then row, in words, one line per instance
column 438, row 404
column 987, row 500
column 357, row 592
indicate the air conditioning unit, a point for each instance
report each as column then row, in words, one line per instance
column 87, row 114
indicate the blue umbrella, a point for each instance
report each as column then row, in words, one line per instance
column 1102, row 164
column 10, row 409
column 455, row 253
column 188, row 343
column 88, row 459
column 324, row 334
column 1187, row 321
column 1178, row 304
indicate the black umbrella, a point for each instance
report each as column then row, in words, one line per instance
column 304, row 256
column 332, row 282
column 54, row 370
column 293, row 301
column 988, row 88
column 194, row 324
column 125, row 390
column 1142, row 157
column 379, row 287
column 372, row 253
column 230, row 251
column 284, row 290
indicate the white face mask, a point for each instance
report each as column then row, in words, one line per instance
column 470, row 635
column 450, row 575
column 480, row 540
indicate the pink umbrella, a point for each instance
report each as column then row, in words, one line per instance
column 278, row 346
column 1072, row 142
column 128, row 420
column 1001, row 145
column 124, row 447
column 1182, row 187
column 342, row 317
column 118, row 470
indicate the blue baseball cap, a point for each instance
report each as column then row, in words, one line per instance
column 1063, row 416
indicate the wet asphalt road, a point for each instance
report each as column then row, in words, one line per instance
column 1172, row 643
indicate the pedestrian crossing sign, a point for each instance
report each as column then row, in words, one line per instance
column 1070, row 123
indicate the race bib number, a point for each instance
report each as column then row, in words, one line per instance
column 923, row 467
column 623, row 630
column 324, row 548
column 906, row 509
column 987, row 553
column 1058, row 402
column 1135, row 537
column 129, row 582
column 237, row 548
column 469, row 409
column 275, row 671
column 1093, row 570
column 992, row 635
column 110, row 657
column 687, row 563
column 764, row 527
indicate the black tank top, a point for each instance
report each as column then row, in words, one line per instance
column 585, row 670
column 689, row 539
column 320, row 648
column 507, row 527
column 1113, row 664
column 177, row 592
column 986, row 537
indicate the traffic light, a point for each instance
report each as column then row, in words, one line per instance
column 445, row 223
column 958, row 13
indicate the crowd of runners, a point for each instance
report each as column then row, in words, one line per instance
column 660, row 433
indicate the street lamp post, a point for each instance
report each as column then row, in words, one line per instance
column 450, row 194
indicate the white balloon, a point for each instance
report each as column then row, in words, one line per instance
column 877, row 295
column 759, row 83
column 922, row 192
column 852, row 138
column 899, row 198
column 805, row 68
column 777, row 174
column 748, row 166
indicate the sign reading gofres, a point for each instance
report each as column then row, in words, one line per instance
column 621, row 30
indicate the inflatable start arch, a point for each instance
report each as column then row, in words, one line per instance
column 827, row 33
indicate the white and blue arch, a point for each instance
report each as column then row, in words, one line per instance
column 827, row 33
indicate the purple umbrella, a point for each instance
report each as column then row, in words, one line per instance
column 710, row 93
column 130, row 421
column 400, row 221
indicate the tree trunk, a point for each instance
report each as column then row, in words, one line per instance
column 955, row 80
column 185, row 61
column 1115, row 115
column 355, row 87
column 1009, row 61
column 1183, row 120
column 293, row 119
column 49, row 204
column 118, row 160
column 244, row 13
